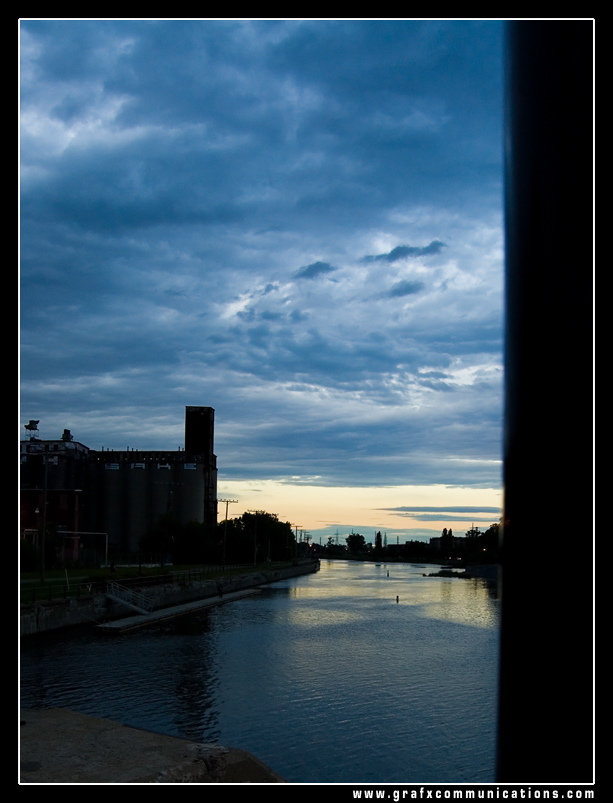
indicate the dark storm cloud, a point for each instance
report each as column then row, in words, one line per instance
column 448, row 517
column 314, row 270
column 404, row 251
column 435, row 510
column 463, row 513
column 173, row 170
column 404, row 288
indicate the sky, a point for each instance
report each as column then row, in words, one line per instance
column 296, row 222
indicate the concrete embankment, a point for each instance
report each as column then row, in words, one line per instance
column 138, row 621
column 61, row 746
column 96, row 608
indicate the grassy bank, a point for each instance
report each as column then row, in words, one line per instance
column 63, row 583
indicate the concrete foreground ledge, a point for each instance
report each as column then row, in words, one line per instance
column 61, row 746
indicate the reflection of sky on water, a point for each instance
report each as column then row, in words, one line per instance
column 325, row 678
column 461, row 601
column 321, row 617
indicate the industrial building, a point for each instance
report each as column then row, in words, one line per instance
column 118, row 494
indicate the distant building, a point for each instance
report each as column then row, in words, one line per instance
column 458, row 542
column 119, row 493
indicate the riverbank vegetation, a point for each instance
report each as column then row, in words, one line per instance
column 474, row 547
column 255, row 537
column 258, row 537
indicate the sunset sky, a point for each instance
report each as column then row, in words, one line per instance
column 298, row 223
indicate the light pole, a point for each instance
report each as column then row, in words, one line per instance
column 225, row 528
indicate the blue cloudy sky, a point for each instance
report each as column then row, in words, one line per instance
column 298, row 223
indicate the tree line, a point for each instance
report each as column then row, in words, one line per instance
column 474, row 547
column 254, row 537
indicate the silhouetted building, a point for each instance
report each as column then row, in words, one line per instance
column 457, row 542
column 120, row 493
column 55, row 473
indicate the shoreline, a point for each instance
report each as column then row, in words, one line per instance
column 98, row 609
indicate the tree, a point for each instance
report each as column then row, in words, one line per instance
column 356, row 543
column 378, row 542
column 239, row 542
column 258, row 534
column 446, row 543
column 415, row 550
column 483, row 547
column 332, row 548
column 473, row 534
column 490, row 542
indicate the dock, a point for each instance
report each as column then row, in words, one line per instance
column 137, row 621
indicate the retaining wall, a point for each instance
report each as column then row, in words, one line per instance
column 97, row 608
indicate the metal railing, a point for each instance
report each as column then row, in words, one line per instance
column 58, row 590
column 129, row 597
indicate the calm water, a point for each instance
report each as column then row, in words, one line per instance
column 324, row 677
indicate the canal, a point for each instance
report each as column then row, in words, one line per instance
column 324, row 677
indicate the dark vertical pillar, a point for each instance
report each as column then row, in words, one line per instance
column 199, row 430
column 545, row 706
column 199, row 434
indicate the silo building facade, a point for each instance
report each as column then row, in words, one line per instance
column 123, row 493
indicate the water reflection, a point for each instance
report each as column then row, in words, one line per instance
column 324, row 677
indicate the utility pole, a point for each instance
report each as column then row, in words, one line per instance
column 291, row 524
column 225, row 528
column 296, row 540
column 255, row 534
